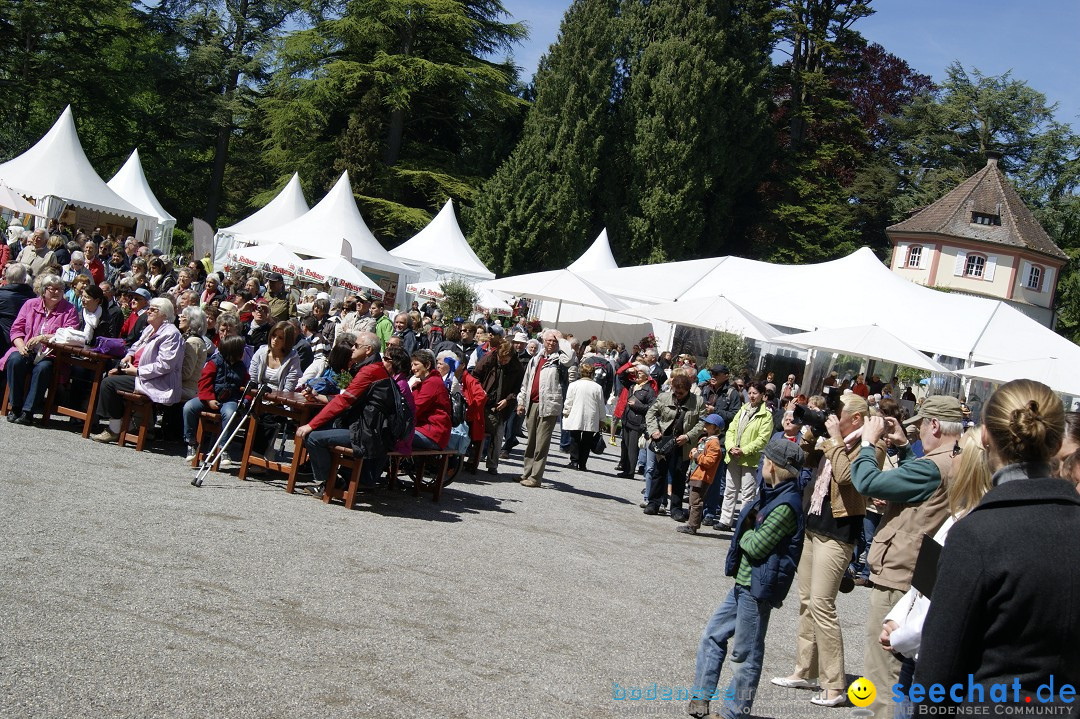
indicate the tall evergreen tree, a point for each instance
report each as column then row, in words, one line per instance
column 400, row 93
column 540, row 208
column 696, row 120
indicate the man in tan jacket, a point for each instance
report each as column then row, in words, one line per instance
column 918, row 505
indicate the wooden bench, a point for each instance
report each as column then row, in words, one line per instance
column 341, row 456
column 206, row 420
column 136, row 401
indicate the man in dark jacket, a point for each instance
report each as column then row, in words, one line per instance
column 369, row 385
column 114, row 316
column 722, row 397
column 13, row 295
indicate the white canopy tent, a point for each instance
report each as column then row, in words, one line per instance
column 271, row 258
column 16, row 203
column 334, row 228
column 337, row 272
column 558, row 286
column 866, row 341
column 441, row 249
column 57, row 174
column 130, row 183
column 486, row 301
column 719, row 313
column 597, row 257
column 286, row 206
column 1058, row 375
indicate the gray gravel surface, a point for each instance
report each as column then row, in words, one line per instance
column 128, row 593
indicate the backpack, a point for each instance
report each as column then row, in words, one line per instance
column 399, row 424
column 458, row 408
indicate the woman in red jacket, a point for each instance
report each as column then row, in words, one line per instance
column 432, row 404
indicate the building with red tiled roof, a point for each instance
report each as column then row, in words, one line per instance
column 981, row 239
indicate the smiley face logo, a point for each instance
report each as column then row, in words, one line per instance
column 862, row 692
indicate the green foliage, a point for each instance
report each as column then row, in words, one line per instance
column 183, row 243
column 459, row 298
column 729, row 349
column 399, row 93
column 649, row 119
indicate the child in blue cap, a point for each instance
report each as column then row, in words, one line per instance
column 705, row 459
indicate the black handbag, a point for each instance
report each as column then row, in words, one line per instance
column 666, row 444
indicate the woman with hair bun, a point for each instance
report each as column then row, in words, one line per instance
column 1005, row 607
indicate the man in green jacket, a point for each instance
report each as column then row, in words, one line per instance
column 677, row 414
column 747, row 435
column 384, row 328
column 918, row 505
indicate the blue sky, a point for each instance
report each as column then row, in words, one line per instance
column 1035, row 39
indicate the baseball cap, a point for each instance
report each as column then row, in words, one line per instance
column 364, row 296
column 274, row 277
column 719, row 369
column 262, row 301
column 521, row 337
column 227, row 306
column 716, row 419
column 941, row 407
column 144, row 293
column 496, row 330
column 785, row 454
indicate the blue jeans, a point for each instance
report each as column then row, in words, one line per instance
column 421, row 441
column 715, row 495
column 661, row 472
column 193, row 407
column 743, row 620
column 860, row 566
column 18, row 369
column 318, row 445
column 514, row 423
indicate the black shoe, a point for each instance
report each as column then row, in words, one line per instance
column 651, row 509
column 11, row 416
column 641, row 469
column 25, row 419
column 625, row 475
column 572, row 465
column 680, row 515
column 685, row 529
column 846, row 584
column 722, row 527
column 620, row 468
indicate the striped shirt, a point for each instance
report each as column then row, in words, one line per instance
column 756, row 544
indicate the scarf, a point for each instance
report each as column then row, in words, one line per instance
column 821, row 484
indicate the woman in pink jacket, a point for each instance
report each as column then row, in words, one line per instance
column 29, row 357
column 153, row 367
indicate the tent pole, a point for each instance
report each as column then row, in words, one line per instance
column 558, row 313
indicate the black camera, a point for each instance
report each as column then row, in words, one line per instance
column 812, row 418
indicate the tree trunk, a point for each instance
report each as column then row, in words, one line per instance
column 224, row 133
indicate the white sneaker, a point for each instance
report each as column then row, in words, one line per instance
column 192, row 453
column 227, row 463
column 796, row 683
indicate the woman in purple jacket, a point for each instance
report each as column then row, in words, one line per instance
column 37, row 322
column 153, row 366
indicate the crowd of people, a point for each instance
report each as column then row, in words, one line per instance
column 834, row 488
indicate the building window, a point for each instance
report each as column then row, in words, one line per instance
column 914, row 257
column 975, row 267
column 985, row 218
column 1034, row 277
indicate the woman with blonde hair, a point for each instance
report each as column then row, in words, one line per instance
column 1004, row 609
column 902, row 629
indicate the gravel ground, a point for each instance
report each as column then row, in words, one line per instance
column 128, row 593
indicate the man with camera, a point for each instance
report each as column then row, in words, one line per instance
column 674, row 423
column 918, row 504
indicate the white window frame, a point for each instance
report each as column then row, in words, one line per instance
column 1037, row 272
column 975, row 262
column 914, row 257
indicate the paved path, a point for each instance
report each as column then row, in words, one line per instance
column 128, row 593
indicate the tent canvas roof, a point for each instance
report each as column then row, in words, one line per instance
column 597, row 257
column 130, row 183
column 57, row 166
column 441, row 245
column 285, row 207
column 321, row 231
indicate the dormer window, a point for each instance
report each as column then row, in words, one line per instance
column 985, row 218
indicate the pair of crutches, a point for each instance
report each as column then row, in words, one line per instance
column 230, row 430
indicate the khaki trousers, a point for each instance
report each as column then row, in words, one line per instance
column 536, row 450
column 741, row 484
column 819, row 647
column 879, row 666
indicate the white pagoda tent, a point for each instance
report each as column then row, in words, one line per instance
column 130, row 183
column 441, row 249
column 57, row 174
column 335, row 228
column 597, row 257
column 286, row 206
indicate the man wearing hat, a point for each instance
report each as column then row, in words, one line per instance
column 282, row 303
column 918, row 504
column 135, row 323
